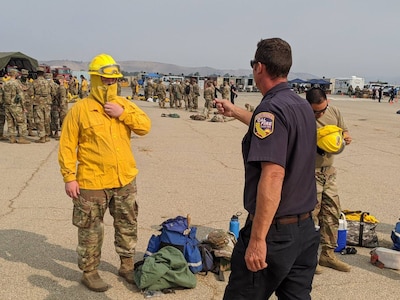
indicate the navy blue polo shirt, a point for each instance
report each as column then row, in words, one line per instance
column 282, row 131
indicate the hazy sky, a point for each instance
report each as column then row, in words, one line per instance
column 336, row 38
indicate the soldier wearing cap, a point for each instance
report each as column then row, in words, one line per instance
column 53, row 106
column 26, row 86
column 14, row 107
column 41, row 113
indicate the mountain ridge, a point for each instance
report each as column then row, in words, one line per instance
column 164, row 68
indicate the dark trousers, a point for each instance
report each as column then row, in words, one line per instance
column 291, row 257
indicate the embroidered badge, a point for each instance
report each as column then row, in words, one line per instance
column 263, row 124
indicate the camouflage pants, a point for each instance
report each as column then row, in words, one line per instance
column 161, row 101
column 63, row 113
column 29, row 115
column 41, row 114
column 88, row 214
column 195, row 102
column 327, row 211
column 16, row 120
column 208, row 105
column 2, row 119
column 171, row 100
column 54, row 118
column 188, row 101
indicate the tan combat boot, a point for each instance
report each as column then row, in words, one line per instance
column 23, row 140
column 318, row 270
column 12, row 140
column 46, row 138
column 30, row 132
column 41, row 140
column 93, row 281
column 126, row 269
column 329, row 259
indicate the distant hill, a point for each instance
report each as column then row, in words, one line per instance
column 162, row 68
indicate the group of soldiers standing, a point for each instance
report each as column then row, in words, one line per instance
column 29, row 105
column 183, row 93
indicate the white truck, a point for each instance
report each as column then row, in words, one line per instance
column 342, row 84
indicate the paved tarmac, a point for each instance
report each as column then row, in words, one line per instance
column 188, row 167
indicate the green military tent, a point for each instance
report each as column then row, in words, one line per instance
column 17, row 59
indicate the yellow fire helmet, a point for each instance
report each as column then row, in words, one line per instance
column 330, row 139
column 104, row 65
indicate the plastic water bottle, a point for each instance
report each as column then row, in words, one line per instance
column 234, row 225
column 342, row 234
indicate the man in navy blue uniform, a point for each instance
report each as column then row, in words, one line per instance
column 277, row 248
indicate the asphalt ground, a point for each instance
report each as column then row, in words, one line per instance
column 188, row 167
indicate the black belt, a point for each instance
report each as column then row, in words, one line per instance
column 287, row 219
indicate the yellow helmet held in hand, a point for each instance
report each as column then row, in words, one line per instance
column 104, row 65
column 330, row 139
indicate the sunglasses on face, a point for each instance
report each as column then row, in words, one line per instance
column 252, row 63
column 318, row 112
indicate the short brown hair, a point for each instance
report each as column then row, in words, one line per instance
column 276, row 55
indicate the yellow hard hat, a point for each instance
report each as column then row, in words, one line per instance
column 104, row 65
column 330, row 139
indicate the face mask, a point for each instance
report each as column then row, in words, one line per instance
column 100, row 92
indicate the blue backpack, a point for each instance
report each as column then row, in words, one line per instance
column 177, row 233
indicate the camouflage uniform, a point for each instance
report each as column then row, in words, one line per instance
column 209, row 97
column 91, row 205
column 150, row 89
column 2, row 112
column 53, row 106
column 28, row 92
column 187, row 98
column 171, row 94
column 225, row 91
column 196, row 94
column 161, row 94
column 178, row 94
column 134, row 86
column 14, row 109
column 63, row 103
column 41, row 113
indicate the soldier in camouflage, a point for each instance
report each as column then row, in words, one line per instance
column 62, row 98
column 209, row 97
column 57, row 106
column 2, row 112
column 28, row 92
column 326, row 214
column 14, row 107
column 178, row 89
column 171, row 94
column 196, row 94
column 41, row 102
column 161, row 94
column 225, row 90
column 187, row 95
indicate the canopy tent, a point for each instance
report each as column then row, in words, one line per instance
column 19, row 60
column 297, row 81
column 318, row 81
column 152, row 75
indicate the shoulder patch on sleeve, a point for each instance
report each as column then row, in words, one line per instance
column 263, row 124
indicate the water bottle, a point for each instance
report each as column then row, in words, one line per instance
column 342, row 234
column 234, row 225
